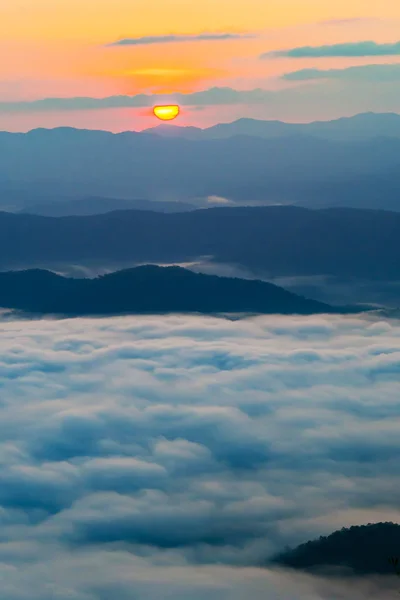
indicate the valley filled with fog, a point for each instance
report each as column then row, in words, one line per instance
column 199, row 300
column 171, row 457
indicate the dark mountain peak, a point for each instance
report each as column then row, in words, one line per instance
column 148, row 289
column 369, row 115
column 172, row 129
column 32, row 274
column 359, row 549
column 149, row 270
column 67, row 131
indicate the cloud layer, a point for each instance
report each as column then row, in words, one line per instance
column 269, row 103
column 351, row 21
column 364, row 73
column 357, row 49
column 172, row 39
column 211, row 97
column 169, row 457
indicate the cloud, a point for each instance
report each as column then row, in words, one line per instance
column 355, row 20
column 357, row 49
column 77, row 103
column 172, row 39
column 363, row 73
column 211, row 97
column 99, row 575
column 219, row 200
column 168, row 457
column 306, row 98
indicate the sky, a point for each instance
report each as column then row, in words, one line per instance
column 163, row 458
column 139, row 53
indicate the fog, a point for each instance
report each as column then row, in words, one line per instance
column 328, row 289
column 169, row 457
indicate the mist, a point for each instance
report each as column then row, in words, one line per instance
column 170, row 457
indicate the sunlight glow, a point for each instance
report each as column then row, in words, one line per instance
column 166, row 113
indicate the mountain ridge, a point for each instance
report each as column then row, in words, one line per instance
column 275, row 127
column 97, row 205
column 150, row 289
column 243, row 169
column 258, row 124
column 277, row 240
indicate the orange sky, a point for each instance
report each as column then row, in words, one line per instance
column 59, row 47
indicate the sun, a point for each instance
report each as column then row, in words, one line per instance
column 166, row 113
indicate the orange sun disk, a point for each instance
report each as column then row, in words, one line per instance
column 166, row 113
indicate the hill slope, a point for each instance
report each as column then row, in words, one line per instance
column 148, row 289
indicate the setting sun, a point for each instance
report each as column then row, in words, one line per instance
column 166, row 113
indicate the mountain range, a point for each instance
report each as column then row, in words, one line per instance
column 98, row 205
column 276, row 241
column 235, row 163
column 360, row 127
column 149, row 289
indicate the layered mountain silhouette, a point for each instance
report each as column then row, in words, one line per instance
column 149, row 289
column 97, row 206
column 358, row 550
column 244, row 168
column 359, row 127
column 275, row 241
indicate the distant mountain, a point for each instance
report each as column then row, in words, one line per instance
column 275, row 241
column 244, row 169
column 97, row 206
column 374, row 191
column 14, row 197
column 360, row 127
column 148, row 289
column 172, row 130
column 358, row 550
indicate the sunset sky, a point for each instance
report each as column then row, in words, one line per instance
column 104, row 63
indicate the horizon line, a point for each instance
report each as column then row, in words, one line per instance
column 176, row 126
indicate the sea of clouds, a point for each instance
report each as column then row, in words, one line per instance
column 169, row 457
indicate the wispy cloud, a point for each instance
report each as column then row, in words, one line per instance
column 363, row 73
column 219, row 200
column 210, row 97
column 306, row 96
column 173, row 39
column 352, row 21
column 76, row 103
column 358, row 49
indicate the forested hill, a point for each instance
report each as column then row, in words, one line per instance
column 358, row 550
column 149, row 289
